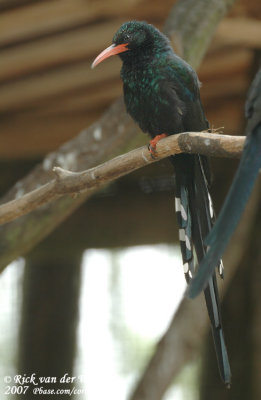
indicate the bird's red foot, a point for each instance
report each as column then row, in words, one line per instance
column 153, row 144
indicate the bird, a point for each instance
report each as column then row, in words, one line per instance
column 238, row 194
column 161, row 94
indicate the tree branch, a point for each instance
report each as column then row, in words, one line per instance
column 67, row 182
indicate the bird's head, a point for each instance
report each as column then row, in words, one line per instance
column 133, row 38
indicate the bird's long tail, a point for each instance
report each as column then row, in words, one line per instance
column 195, row 219
column 232, row 209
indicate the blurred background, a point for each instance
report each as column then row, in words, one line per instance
column 96, row 293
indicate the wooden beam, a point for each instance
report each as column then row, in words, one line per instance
column 22, row 94
column 43, row 18
column 240, row 31
column 225, row 63
column 55, row 51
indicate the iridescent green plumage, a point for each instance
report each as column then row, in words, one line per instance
column 161, row 90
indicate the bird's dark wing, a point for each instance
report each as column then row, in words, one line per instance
column 181, row 82
column 238, row 194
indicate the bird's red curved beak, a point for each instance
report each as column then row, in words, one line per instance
column 110, row 51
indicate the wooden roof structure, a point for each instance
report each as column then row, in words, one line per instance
column 48, row 93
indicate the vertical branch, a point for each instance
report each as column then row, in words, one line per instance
column 191, row 39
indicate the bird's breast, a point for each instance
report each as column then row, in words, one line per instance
column 141, row 103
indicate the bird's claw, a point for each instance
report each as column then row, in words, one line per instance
column 153, row 144
column 153, row 151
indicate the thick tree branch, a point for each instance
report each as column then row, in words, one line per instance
column 66, row 182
